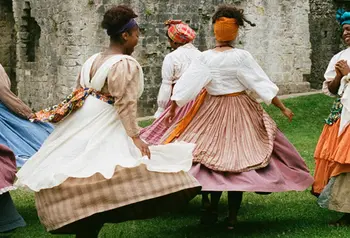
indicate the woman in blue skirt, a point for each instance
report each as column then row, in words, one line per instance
column 23, row 137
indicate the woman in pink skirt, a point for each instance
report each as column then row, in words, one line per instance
column 238, row 145
column 180, row 37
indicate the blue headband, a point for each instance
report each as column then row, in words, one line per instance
column 127, row 26
column 343, row 17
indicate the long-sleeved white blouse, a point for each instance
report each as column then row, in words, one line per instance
column 174, row 65
column 330, row 71
column 223, row 73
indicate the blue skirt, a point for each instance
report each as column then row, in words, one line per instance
column 23, row 137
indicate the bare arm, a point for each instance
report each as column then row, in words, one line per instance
column 171, row 113
column 335, row 84
column 173, row 106
column 278, row 103
column 286, row 111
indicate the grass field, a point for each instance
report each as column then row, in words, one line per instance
column 289, row 214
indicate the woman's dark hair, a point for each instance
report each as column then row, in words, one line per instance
column 231, row 12
column 115, row 18
column 167, row 35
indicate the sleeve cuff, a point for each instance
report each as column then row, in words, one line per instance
column 158, row 112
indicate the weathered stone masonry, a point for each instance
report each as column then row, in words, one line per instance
column 8, row 41
column 325, row 36
column 53, row 39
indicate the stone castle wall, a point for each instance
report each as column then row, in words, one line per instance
column 325, row 36
column 8, row 41
column 54, row 38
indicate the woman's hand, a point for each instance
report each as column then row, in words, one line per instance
column 31, row 117
column 338, row 72
column 171, row 114
column 169, row 118
column 342, row 67
column 288, row 113
column 142, row 146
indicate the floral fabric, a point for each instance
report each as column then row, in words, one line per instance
column 71, row 103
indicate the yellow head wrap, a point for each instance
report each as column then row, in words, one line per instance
column 226, row 29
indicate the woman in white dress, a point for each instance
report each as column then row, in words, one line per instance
column 238, row 145
column 180, row 37
column 94, row 169
column 332, row 154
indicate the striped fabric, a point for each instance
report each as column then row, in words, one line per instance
column 232, row 134
column 286, row 171
column 78, row 198
column 153, row 133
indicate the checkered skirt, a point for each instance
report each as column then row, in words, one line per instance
column 78, row 198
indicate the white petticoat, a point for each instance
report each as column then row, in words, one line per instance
column 344, row 92
column 93, row 140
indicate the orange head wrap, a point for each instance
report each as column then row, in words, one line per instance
column 226, row 29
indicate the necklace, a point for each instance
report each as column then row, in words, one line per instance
column 220, row 46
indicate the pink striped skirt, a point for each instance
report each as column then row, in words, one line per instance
column 286, row 171
column 239, row 148
column 153, row 133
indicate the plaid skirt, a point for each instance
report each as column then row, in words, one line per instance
column 79, row 198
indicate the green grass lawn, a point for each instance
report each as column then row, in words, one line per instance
column 289, row 214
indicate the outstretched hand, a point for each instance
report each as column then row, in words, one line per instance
column 288, row 113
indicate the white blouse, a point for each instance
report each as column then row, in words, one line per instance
column 174, row 65
column 330, row 72
column 224, row 73
column 344, row 89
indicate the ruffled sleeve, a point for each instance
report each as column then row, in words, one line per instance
column 123, row 85
column 330, row 74
column 9, row 99
column 252, row 76
column 167, row 82
column 196, row 77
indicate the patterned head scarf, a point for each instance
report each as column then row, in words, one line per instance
column 343, row 17
column 226, row 29
column 180, row 32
